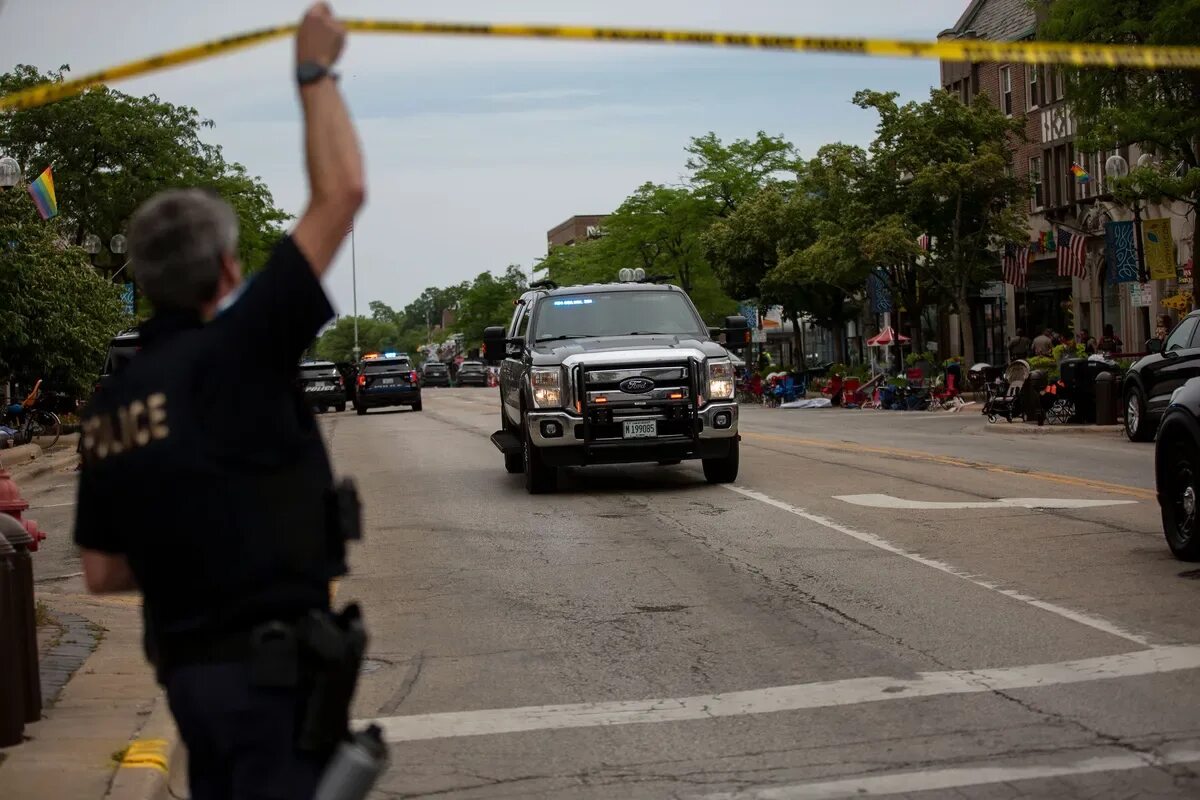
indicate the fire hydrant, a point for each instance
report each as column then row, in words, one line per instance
column 14, row 505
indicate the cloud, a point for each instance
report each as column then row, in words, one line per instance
column 540, row 94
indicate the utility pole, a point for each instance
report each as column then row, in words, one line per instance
column 354, row 290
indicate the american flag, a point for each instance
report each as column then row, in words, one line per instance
column 1072, row 253
column 1016, row 265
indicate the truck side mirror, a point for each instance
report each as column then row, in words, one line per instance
column 737, row 333
column 495, row 344
column 1154, row 346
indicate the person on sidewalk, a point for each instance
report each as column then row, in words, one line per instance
column 1109, row 342
column 1018, row 346
column 1043, row 344
column 206, row 483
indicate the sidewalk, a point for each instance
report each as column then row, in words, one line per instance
column 1020, row 427
column 105, row 731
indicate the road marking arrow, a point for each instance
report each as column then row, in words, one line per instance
column 887, row 501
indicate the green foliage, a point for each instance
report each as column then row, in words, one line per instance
column 912, row 359
column 725, row 175
column 1046, row 364
column 337, row 343
column 489, row 301
column 57, row 313
column 1062, row 351
column 111, row 151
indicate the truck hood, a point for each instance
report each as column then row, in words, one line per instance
column 614, row 349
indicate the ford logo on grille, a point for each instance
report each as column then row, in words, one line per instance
column 636, row 385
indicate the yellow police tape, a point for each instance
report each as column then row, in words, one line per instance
column 974, row 50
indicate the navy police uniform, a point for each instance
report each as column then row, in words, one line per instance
column 203, row 466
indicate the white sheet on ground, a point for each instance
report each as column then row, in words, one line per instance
column 812, row 402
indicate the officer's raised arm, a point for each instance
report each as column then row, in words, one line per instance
column 335, row 168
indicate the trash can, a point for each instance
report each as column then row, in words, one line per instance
column 1031, row 397
column 26, row 617
column 1107, row 394
column 1073, row 373
column 12, row 697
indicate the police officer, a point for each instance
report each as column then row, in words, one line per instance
column 206, row 483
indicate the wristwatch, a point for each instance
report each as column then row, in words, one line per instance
column 308, row 72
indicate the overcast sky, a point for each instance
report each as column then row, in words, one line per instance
column 476, row 148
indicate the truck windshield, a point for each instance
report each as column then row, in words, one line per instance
column 622, row 313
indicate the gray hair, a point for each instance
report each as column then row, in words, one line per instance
column 177, row 240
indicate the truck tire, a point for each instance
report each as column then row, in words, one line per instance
column 360, row 410
column 1137, row 427
column 340, row 407
column 416, row 406
column 540, row 478
column 722, row 470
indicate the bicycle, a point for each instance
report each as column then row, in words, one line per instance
column 31, row 424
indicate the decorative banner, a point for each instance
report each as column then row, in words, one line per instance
column 1185, row 274
column 127, row 298
column 1158, row 249
column 877, row 291
column 1120, row 252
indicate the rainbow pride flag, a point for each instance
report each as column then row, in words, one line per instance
column 42, row 192
column 1080, row 173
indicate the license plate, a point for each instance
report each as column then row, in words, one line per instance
column 386, row 381
column 640, row 429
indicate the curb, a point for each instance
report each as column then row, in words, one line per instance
column 44, row 465
column 145, row 771
column 1028, row 429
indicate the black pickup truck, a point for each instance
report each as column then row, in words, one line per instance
column 614, row 374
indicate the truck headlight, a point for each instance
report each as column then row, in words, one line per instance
column 721, row 384
column 547, row 387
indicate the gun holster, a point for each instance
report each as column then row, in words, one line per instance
column 331, row 648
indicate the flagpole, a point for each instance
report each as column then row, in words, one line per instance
column 354, row 289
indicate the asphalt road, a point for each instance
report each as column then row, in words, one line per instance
column 643, row 634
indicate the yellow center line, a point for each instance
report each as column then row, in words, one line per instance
column 952, row 461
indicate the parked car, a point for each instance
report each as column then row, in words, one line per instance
column 1150, row 382
column 1177, row 470
column 435, row 373
column 387, row 380
column 472, row 373
column 322, row 385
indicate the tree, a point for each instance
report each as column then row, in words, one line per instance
column 725, row 175
column 111, row 152
column 748, row 246
column 337, row 342
column 943, row 168
column 1156, row 109
column 489, row 301
column 57, row 314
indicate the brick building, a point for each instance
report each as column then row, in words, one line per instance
column 1036, row 94
column 575, row 229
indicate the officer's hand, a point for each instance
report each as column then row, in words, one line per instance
column 321, row 37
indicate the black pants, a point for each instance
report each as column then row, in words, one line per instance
column 240, row 738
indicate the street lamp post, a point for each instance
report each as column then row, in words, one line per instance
column 1118, row 167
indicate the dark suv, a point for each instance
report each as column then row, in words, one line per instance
column 387, row 380
column 472, row 373
column 1151, row 381
column 121, row 350
column 322, row 385
column 435, row 373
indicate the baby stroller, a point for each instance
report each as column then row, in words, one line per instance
column 1004, row 394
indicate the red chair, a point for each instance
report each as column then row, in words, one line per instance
column 850, row 392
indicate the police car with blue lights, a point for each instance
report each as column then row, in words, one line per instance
column 614, row 373
column 386, row 379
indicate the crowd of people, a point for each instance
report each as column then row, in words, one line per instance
column 1044, row 344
